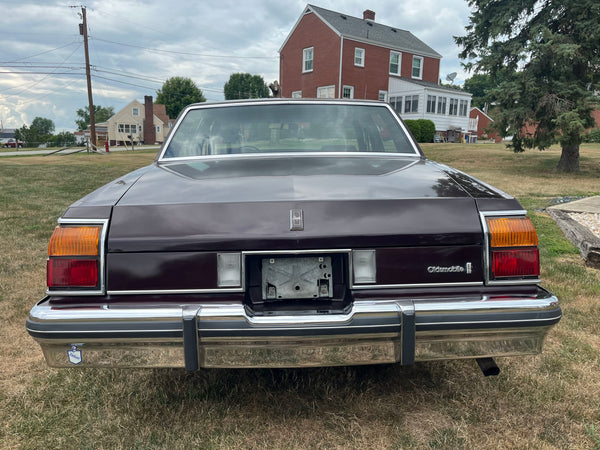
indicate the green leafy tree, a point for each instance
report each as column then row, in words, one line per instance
column 63, row 139
column 178, row 92
column 29, row 136
column 101, row 114
column 245, row 85
column 480, row 84
column 543, row 56
column 44, row 127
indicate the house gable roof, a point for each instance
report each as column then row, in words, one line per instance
column 369, row 31
column 481, row 112
column 160, row 111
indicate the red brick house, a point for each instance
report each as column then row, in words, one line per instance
column 333, row 55
column 483, row 124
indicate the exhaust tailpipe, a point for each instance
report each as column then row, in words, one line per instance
column 488, row 366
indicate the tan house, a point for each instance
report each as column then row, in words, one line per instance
column 130, row 124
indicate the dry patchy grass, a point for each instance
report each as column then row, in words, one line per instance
column 547, row 401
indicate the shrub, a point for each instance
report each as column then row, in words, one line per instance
column 592, row 136
column 415, row 128
column 422, row 129
column 427, row 128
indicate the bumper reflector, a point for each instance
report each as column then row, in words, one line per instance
column 72, row 272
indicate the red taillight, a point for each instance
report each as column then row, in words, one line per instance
column 74, row 257
column 513, row 248
column 72, row 272
column 515, row 262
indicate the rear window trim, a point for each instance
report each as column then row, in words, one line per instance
column 161, row 158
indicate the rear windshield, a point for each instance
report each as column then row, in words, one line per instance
column 288, row 128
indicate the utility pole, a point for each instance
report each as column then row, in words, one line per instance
column 84, row 31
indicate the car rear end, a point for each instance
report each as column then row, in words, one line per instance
column 318, row 260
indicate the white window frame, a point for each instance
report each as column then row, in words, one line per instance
column 396, row 103
column 383, row 96
column 431, row 102
column 135, row 111
column 360, row 54
column 463, row 107
column 296, row 94
column 411, row 104
column 442, row 101
column 329, row 90
column 412, row 71
column 453, row 107
column 350, row 88
column 310, row 51
column 399, row 55
column 127, row 128
column 158, row 128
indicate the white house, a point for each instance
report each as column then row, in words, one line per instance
column 446, row 107
column 138, row 122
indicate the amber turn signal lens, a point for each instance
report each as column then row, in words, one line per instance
column 74, row 241
column 512, row 232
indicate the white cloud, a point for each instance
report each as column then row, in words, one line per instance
column 218, row 34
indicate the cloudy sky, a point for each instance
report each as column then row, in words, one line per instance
column 135, row 45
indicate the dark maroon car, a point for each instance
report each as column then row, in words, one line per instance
column 291, row 233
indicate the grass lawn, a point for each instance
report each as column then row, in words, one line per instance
column 546, row 401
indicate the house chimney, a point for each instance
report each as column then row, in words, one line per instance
column 369, row 15
column 149, row 130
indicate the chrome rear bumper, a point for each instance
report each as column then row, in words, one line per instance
column 221, row 334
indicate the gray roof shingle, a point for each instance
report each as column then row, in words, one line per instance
column 354, row 27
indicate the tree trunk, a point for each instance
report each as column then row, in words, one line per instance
column 569, row 158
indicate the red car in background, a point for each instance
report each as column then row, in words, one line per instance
column 12, row 143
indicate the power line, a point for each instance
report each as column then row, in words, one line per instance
column 40, row 73
column 126, row 75
column 54, row 72
column 43, row 53
column 184, row 53
column 40, row 66
column 153, row 88
column 124, row 82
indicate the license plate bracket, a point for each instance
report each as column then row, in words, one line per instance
column 298, row 277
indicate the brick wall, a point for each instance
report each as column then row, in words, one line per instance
column 149, row 131
column 326, row 60
column 367, row 81
column 371, row 78
column 484, row 126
